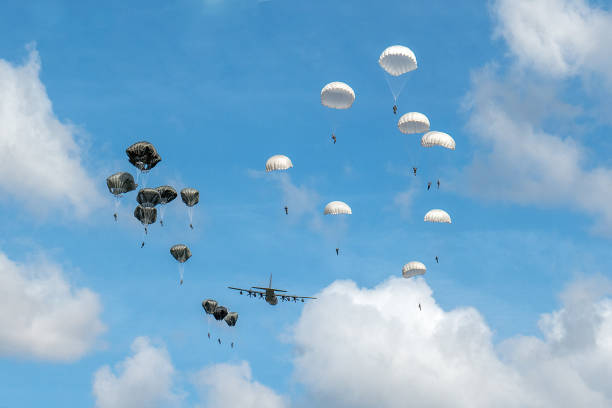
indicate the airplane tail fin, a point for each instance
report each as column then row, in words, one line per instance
column 269, row 287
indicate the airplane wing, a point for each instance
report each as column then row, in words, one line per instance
column 276, row 290
column 250, row 292
column 295, row 298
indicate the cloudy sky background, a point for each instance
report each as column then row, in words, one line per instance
column 519, row 311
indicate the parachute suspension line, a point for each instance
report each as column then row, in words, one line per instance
column 338, row 225
column 331, row 117
column 181, row 271
column 116, row 206
column 144, row 236
column 391, row 89
column 144, row 178
column 162, row 210
column 190, row 215
column 138, row 176
column 414, row 155
column 396, row 85
column 208, row 322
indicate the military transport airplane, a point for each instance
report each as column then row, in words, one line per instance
column 270, row 294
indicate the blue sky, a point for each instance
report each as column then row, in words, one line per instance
column 218, row 87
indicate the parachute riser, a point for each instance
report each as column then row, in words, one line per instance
column 396, row 85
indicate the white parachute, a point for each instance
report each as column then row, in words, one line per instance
column 337, row 207
column 337, row 95
column 397, row 60
column 278, row 162
column 437, row 215
column 413, row 122
column 413, row 268
column 434, row 138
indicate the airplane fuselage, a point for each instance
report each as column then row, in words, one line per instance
column 271, row 297
column 269, row 294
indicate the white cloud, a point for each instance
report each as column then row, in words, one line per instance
column 144, row 380
column 148, row 379
column 42, row 316
column 557, row 37
column 380, row 350
column 571, row 365
column 40, row 160
column 229, row 385
column 521, row 162
column 528, row 142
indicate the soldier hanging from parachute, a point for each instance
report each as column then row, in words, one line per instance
column 167, row 194
column 190, row 197
column 119, row 184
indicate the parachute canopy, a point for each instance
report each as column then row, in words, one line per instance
column 166, row 194
column 143, row 155
column 437, row 216
column 148, row 197
column 146, row 215
column 413, row 268
column 434, row 138
column 337, row 95
column 278, row 162
column 190, row 196
column 180, row 252
column 120, row 183
column 413, row 122
column 337, row 207
column 220, row 312
column 231, row 318
column 209, row 306
column 397, row 60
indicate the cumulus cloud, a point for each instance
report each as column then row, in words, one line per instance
column 40, row 159
column 521, row 162
column 42, row 316
column 148, row 378
column 523, row 132
column 557, row 37
column 231, row 385
column 380, row 350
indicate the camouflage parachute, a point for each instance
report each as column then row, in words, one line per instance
column 143, row 155
column 180, row 252
column 120, row 183
column 209, row 306
column 146, row 215
column 231, row 318
column 220, row 312
column 190, row 196
column 166, row 193
column 148, row 197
